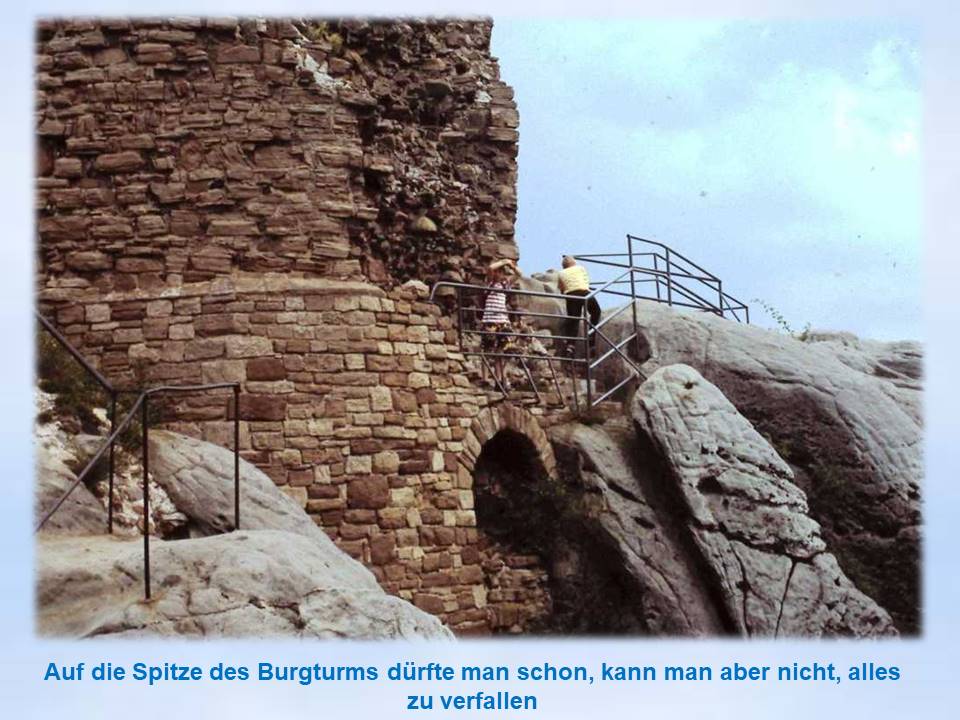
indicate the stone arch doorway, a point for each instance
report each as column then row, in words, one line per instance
column 546, row 567
column 493, row 420
column 510, row 466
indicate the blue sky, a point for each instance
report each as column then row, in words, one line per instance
column 783, row 156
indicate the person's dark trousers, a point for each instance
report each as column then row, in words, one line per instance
column 575, row 313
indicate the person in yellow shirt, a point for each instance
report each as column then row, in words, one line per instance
column 574, row 281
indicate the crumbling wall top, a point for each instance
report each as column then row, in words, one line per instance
column 176, row 151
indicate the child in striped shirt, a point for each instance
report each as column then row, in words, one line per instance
column 495, row 318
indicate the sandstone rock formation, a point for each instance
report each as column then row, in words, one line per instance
column 900, row 362
column 747, row 518
column 623, row 511
column 257, row 583
column 281, row 575
column 679, row 519
column 60, row 453
column 844, row 412
column 81, row 513
column 846, row 416
column 198, row 478
column 541, row 305
column 56, row 452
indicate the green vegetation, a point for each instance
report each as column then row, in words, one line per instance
column 320, row 32
column 784, row 446
column 522, row 508
column 76, row 393
column 781, row 322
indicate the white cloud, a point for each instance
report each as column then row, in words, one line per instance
column 789, row 147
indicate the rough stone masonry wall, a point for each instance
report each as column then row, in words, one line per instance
column 224, row 200
column 353, row 400
column 179, row 150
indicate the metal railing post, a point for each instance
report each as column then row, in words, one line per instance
column 556, row 382
column 460, row 318
column 236, row 457
column 677, row 270
column 586, row 353
column 144, row 430
column 109, row 445
column 113, row 425
column 574, row 381
column 633, row 287
column 656, row 277
column 669, row 279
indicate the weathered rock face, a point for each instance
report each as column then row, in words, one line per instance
column 198, row 477
column 61, row 452
column 81, row 513
column 621, row 509
column 900, row 362
column 844, row 412
column 54, row 455
column 257, row 583
column 541, row 305
column 282, row 575
column 179, row 150
column 680, row 520
column 846, row 416
column 747, row 518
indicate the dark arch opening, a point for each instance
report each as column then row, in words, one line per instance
column 547, row 569
column 513, row 509
column 509, row 484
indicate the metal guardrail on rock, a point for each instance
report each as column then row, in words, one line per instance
column 141, row 403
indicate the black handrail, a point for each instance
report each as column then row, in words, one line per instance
column 108, row 443
column 58, row 336
column 141, row 402
column 670, row 250
column 725, row 301
column 588, row 329
column 111, row 390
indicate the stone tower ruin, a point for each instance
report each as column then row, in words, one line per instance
column 248, row 200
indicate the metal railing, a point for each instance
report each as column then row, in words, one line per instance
column 141, row 403
column 675, row 279
column 585, row 361
column 113, row 394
